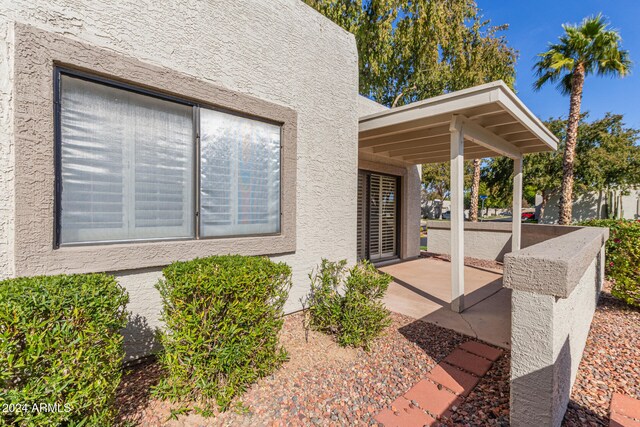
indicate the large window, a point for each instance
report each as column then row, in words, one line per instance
column 239, row 175
column 128, row 167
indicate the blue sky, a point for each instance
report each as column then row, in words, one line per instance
column 533, row 24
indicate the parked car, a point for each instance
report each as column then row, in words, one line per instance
column 447, row 215
column 528, row 215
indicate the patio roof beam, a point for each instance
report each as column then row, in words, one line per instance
column 434, row 144
column 506, row 129
column 488, row 139
column 401, row 137
column 524, row 144
column 444, row 159
column 468, row 151
column 428, row 151
column 421, row 142
column 502, row 119
column 519, row 136
column 527, row 138
column 399, row 128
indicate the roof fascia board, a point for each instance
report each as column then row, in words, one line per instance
column 510, row 102
column 448, row 105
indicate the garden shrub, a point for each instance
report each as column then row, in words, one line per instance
column 356, row 316
column 324, row 300
column 60, row 349
column 222, row 318
column 622, row 257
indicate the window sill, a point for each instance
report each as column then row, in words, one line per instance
column 148, row 254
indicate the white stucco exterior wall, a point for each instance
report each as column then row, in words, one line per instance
column 282, row 51
column 548, row 339
column 6, row 152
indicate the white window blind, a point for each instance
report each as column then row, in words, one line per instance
column 126, row 165
column 240, row 175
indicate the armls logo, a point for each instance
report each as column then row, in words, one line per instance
column 35, row 407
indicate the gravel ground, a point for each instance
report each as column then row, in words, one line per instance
column 488, row 403
column 611, row 363
column 324, row 384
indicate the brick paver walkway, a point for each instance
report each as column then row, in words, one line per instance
column 444, row 387
column 625, row 411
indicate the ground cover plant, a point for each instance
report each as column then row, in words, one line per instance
column 622, row 257
column 347, row 303
column 60, row 349
column 222, row 316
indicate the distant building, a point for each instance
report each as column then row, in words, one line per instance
column 594, row 205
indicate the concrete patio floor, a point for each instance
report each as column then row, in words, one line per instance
column 421, row 289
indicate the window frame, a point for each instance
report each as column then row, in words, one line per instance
column 59, row 71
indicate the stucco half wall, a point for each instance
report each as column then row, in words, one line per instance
column 281, row 52
column 410, row 181
column 489, row 240
column 555, row 288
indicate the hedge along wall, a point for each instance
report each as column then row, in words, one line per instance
column 622, row 265
column 60, row 349
column 222, row 316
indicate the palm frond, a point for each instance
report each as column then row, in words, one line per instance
column 565, row 84
column 592, row 44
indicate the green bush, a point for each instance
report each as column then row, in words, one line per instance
column 222, row 316
column 356, row 316
column 623, row 258
column 60, row 349
column 324, row 301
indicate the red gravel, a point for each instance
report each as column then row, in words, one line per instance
column 611, row 363
column 324, row 384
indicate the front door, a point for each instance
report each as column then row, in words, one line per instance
column 377, row 216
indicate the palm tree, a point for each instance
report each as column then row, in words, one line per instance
column 588, row 48
column 475, row 189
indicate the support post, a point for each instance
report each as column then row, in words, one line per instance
column 457, row 214
column 516, row 231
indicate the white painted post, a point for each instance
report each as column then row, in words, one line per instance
column 457, row 214
column 516, row 231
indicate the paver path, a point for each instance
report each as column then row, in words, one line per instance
column 443, row 389
column 625, row 411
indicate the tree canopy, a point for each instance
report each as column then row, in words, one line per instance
column 608, row 158
column 413, row 50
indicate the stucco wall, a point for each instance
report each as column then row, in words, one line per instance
column 555, row 286
column 489, row 240
column 6, row 150
column 282, row 52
